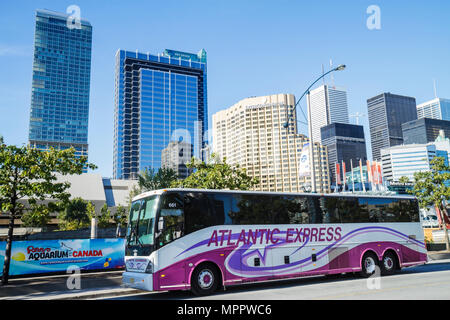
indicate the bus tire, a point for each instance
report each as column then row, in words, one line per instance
column 388, row 263
column 204, row 280
column 369, row 264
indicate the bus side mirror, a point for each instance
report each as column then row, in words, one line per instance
column 160, row 224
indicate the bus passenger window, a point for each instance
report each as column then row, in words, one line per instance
column 330, row 210
column 202, row 211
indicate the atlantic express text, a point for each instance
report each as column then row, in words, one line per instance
column 264, row 236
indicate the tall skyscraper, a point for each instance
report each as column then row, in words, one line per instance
column 328, row 104
column 159, row 99
column 251, row 134
column 344, row 142
column 61, row 83
column 435, row 109
column 387, row 112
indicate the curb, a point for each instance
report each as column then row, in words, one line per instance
column 439, row 256
column 88, row 294
column 91, row 295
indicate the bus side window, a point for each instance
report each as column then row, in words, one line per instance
column 330, row 210
column 315, row 210
column 202, row 211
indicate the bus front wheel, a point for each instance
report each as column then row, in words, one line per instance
column 205, row 280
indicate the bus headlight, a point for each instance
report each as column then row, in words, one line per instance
column 149, row 268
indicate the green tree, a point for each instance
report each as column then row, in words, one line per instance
column 216, row 174
column 28, row 176
column 38, row 218
column 150, row 179
column 432, row 188
column 120, row 218
column 135, row 190
column 104, row 220
column 75, row 216
column 90, row 209
column 403, row 179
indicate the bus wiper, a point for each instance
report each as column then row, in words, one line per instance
column 135, row 233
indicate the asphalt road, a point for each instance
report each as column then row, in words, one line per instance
column 426, row 282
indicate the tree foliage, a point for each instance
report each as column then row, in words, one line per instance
column 28, row 176
column 75, row 216
column 104, row 219
column 150, row 179
column 404, row 179
column 432, row 188
column 120, row 217
column 216, row 174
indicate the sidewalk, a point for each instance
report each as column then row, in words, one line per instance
column 439, row 255
column 55, row 287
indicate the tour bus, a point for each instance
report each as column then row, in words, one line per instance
column 203, row 240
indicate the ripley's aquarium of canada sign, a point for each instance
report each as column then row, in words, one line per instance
column 47, row 256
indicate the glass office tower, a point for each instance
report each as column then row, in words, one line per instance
column 424, row 130
column 61, row 83
column 159, row 99
column 345, row 143
column 387, row 112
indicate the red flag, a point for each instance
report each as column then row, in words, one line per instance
column 369, row 171
column 338, row 174
column 380, row 179
column 374, row 173
column 344, row 178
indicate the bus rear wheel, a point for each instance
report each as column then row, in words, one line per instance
column 369, row 264
column 388, row 264
column 204, row 280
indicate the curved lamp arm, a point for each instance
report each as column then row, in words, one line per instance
column 338, row 68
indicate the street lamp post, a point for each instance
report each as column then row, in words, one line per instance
column 311, row 142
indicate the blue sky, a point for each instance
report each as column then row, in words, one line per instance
column 254, row 48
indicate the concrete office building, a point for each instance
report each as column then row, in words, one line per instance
column 328, row 104
column 90, row 187
column 251, row 134
column 437, row 108
column 175, row 157
column 387, row 112
column 404, row 160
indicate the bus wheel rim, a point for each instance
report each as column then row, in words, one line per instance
column 388, row 263
column 369, row 264
column 205, row 279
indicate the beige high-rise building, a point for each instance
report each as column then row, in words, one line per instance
column 251, row 134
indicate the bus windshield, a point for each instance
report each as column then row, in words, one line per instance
column 141, row 226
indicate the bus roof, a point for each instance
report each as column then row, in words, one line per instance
column 367, row 195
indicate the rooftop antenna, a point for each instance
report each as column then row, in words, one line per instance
column 434, row 85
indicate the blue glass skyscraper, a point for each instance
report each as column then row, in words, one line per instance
column 158, row 99
column 61, row 83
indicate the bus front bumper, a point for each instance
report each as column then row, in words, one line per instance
column 137, row 280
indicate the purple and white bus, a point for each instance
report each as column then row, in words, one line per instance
column 202, row 240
